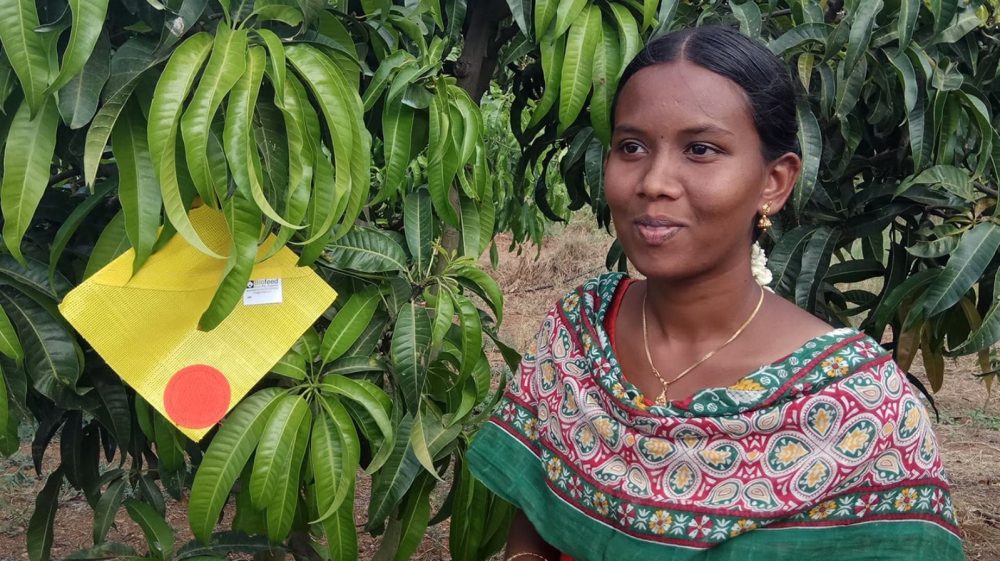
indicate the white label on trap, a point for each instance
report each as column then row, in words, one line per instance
column 262, row 291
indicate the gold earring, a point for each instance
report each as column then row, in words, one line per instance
column 765, row 221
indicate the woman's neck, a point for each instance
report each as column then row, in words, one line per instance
column 696, row 313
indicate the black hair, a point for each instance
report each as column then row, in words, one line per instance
column 762, row 76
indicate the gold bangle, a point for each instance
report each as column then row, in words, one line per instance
column 526, row 554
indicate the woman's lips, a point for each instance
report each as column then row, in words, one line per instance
column 656, row 231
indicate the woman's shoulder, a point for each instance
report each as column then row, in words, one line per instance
column 595, row 291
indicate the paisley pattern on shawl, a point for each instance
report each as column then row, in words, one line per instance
column 829, row 438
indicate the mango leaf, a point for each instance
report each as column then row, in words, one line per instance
column 748, row 14
column 552, row 50
column 288, row 435
column 988, row 332
column 861, row 31
column 974, row 252
column 371, row 398
column 368, row 251
column 26, row 51
column 798, row 36
column 26, row 161
column 78, row 99
column 545, row 13
column 338, row 437
column 107, row 508
column 566, row 13
column 159, row 535
column 811, row 145
column 226, row 65
column 243, row 220
column 275, row 447
column 607, row 60
column 410, row 340
column 138, row 189
column 418, row 225
column 164, row 115
column 578, row 65
column 10, row 345
column 393, row 480
column 341, row 532
column 88, row 22
column 439, row 168
column 907, row 21
column 41, row 525
column 226, row 455
column 112, row 242
column 348, row 324
column 397, row 132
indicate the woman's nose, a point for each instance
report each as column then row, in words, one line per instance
column 661, row 179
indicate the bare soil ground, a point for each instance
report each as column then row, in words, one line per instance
column 969, row 425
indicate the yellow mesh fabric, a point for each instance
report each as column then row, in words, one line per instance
column 146, row 326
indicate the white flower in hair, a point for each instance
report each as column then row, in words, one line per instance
column 758, row 265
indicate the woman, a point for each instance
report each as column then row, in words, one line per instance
column 642, row 425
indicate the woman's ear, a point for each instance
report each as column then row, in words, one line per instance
column 782, row 175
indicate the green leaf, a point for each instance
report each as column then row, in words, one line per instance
column 334, row 480
column 849, row 89
column 164, row 115
column 370, row 397
column 988, row 332
column 41, row 525
column 410, row 340
column 861, row 32
column 243, row 220
column 787, row 247
column 112, row 242
column 578, row 65
column 418, row 225
column 343, row 110
column 26, row 50
column 397, row 132
column 367, row 250
column 469, row 241
column 485, row 287
column 391, row 482
column 444, row 312
column 350, row 321
column 811, row 145
column 967, row 21
column 545, row 12
column 10, row 345
column 78, row 99
column 748, row 14
column 440, row 170
column 607, row 68
column 224, row 543
column 815, row 262
column 341, row 532
column 226, row 65
column 907, row 21
column 472, row 332
column 88, row 22
column 50, row 356
column 907, row 79
column 954, row 179
column 414, row 516
column 798, row 36
column 26, row 162
column 287, row 435
column 159, row 535
column 138, row 189
column 977, row 248
column 566, row 13
column 226, row 455
column 628, row 32
column 275, row 447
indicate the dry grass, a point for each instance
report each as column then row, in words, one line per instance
column 969, row 427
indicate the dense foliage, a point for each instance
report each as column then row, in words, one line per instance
column 354, row 131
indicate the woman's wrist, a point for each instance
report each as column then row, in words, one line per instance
column 527, row 554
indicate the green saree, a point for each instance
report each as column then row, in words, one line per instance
column 825, row 454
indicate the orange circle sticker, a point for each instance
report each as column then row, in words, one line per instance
column 196, row 396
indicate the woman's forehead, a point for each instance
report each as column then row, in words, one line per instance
column 683, row 95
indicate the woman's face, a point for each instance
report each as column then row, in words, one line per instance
column 686, row 176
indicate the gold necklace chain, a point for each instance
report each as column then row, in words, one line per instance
column 662, row 398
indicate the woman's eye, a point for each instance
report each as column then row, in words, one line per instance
column 699, row 149
column 631, row 147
